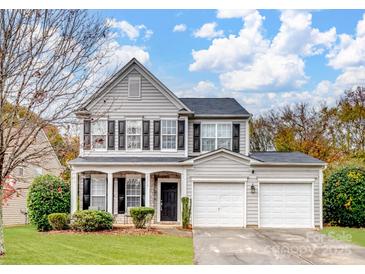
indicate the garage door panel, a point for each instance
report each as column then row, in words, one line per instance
column 286, row 205
column 224, row 208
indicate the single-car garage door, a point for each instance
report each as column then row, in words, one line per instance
column 286, row 205
column 219, row 204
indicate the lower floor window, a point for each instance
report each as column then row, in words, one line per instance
column 98, row 192
column 133, row 191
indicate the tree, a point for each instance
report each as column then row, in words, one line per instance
column 49, row 63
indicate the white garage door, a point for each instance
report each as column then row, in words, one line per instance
column 219, row 204
column 286, row 205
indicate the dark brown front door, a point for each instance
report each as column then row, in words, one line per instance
column 168, row 201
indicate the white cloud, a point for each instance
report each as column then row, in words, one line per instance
column 296, row 35
column 248, row 61
column 267, row 71
column 350, row 51
column 203, row 86
column 127, row 29
column 179, row 28
column 209, row 31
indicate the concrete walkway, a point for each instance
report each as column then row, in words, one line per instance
column 271, row 246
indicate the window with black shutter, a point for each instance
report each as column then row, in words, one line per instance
column 121, row 135
column 87, row 134
column 156, row 135
column 111, row 135
column 236, row 138
column 146, row 135
column 143, row 191
column 121, row 195
column 196, row 135
column 86, row 194
column 181, row 135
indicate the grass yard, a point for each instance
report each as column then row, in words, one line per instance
column 355, row 235
column 24, row 245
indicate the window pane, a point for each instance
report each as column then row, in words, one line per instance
column 134, row 127
column 98, row 127
column 208, row 144
column 169, row 142
column 98, row 203
column 133, row 142
column 99, row 141
column 98, row 186
column 134, row 87
column 224, row 130
column 224, row 142
column 208, row 130
column 133, row 201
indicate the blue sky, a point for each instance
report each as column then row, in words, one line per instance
column 263, row 58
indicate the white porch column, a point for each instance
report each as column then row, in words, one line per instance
column 183, row 183
column 147, row 189
column 110, row 192
column 74, row 188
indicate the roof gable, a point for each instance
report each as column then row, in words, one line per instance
column 223, row 152
column 121, row 74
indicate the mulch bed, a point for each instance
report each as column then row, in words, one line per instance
column 114, row 231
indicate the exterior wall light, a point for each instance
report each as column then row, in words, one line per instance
column 253, row 189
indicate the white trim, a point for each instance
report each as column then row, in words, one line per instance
column 247, row 145
column 210, row 180
column 109, row 191
column 284, row 181
column 219, row 180
column 186, row 138
column 320, row 183
column 168, row 180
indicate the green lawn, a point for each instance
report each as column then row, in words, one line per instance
column 354, row 235
column 24, row 245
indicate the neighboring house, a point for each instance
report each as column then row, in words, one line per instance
column 15, row 208
column 143, row 146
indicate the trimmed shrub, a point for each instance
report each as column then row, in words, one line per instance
column 47, row 194
column 141, row 216
column 186, row 211
column 59, row 221
column 344, row 197
column 91, row 220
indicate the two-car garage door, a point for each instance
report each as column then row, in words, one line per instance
column 286, row 205
column 279, row 205
column 219, row 204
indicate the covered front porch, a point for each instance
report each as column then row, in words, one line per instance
column 117, row 189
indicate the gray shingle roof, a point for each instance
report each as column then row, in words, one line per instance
column 84, row 160
column 285, row 157
column 215, row 106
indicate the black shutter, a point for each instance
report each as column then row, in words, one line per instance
column 143, row 191
column 181, row 135
column 196, row 146
column 111, row 135
column 121, row 195
column 86, row 194
column 156, row 135
column 121, row 135
column 146, row 135
column 236, row 138
column 87, row 134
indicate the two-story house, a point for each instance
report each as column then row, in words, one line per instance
column 141, row 145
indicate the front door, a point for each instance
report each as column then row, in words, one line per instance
column 168, row 202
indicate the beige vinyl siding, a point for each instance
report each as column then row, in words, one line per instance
column 277, row 173
column 215, row 167
column 12, row 209
column 242, row 123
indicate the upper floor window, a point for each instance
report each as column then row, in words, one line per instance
column 98, row 134
column 168, row 134
column 214, row 136
column 134, row 87
column 134, row 134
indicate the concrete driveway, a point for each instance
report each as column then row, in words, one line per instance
column 271, row 246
